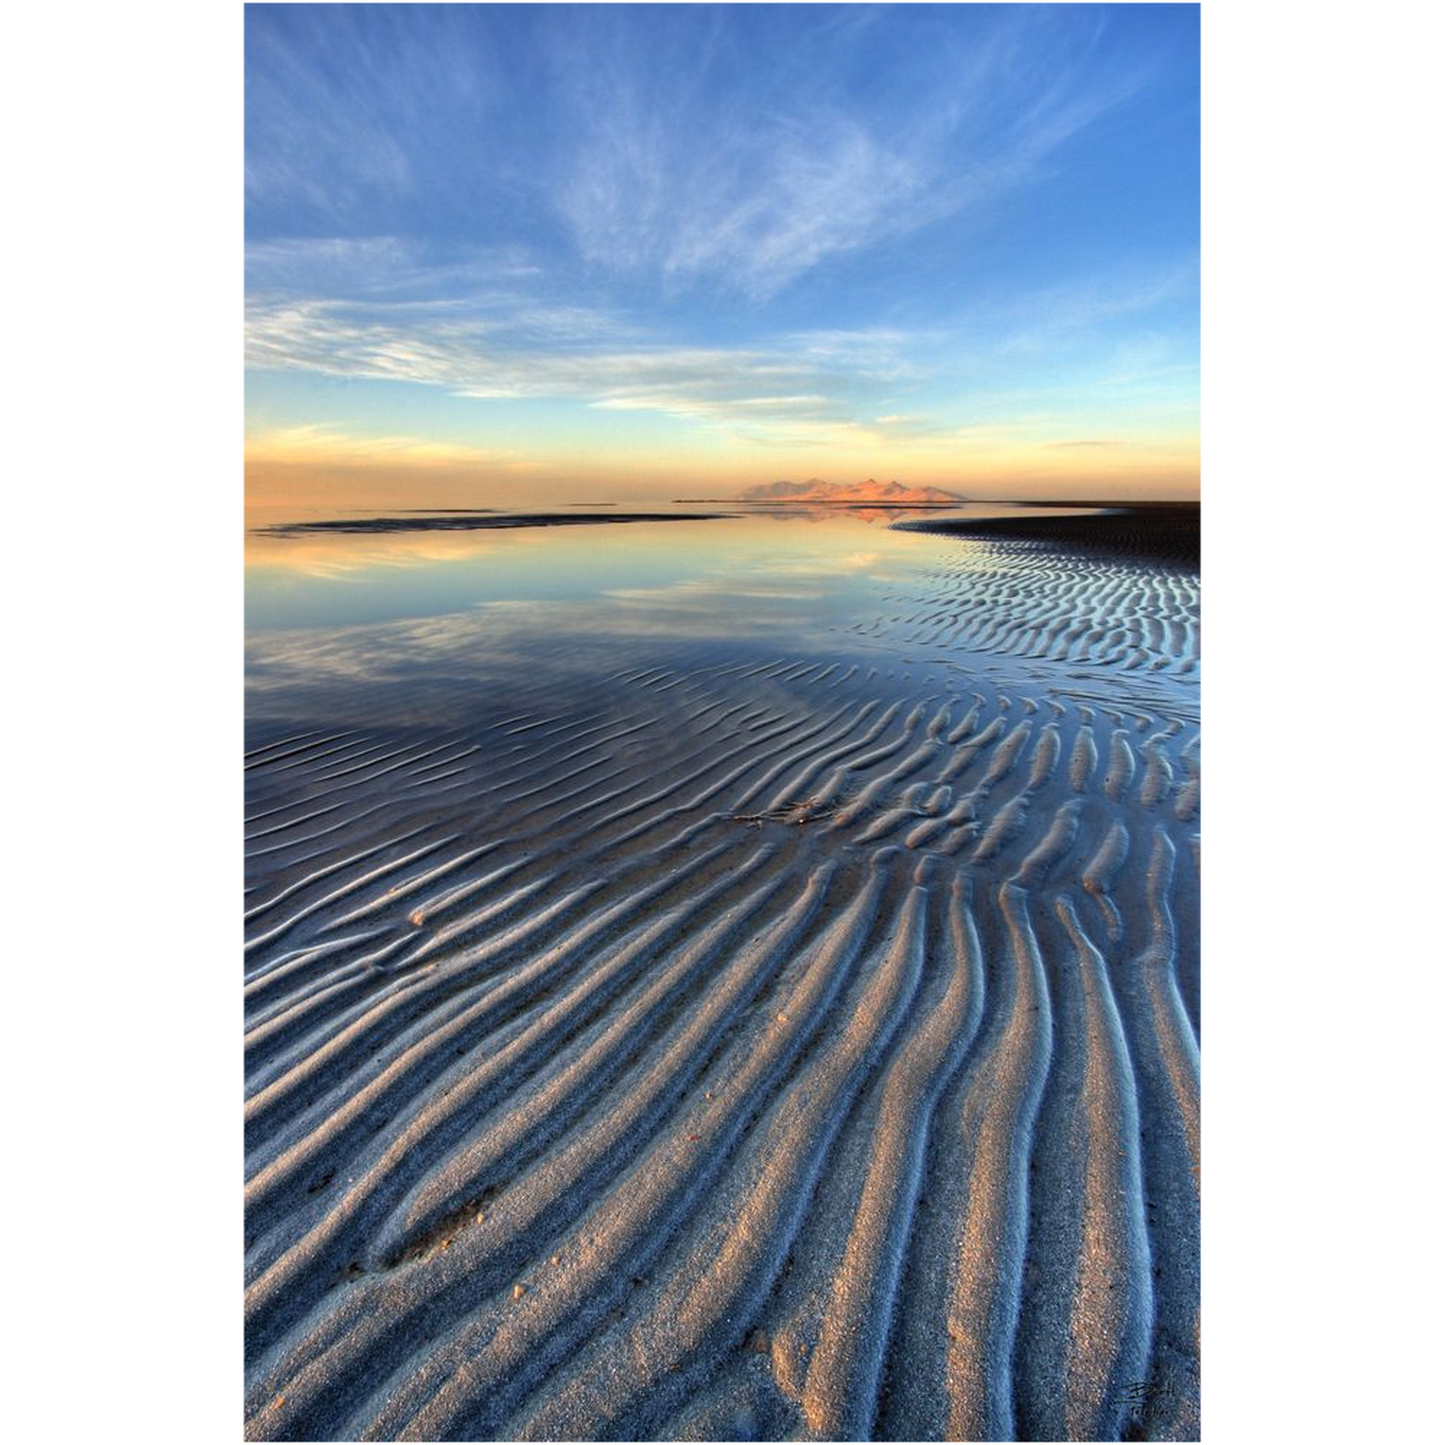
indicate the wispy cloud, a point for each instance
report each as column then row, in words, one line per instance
column 476, row 330
column 734, row 149
column 385, row 268
column 511, row 348
column 756, row 211
column 751, row 191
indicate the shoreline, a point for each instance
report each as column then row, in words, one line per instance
column 480, row 521
column 1160, row 531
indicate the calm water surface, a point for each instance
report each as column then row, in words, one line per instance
column 409, row 623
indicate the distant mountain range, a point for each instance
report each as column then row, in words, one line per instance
column 854, row 493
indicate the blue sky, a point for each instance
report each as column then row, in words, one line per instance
column 937, row 242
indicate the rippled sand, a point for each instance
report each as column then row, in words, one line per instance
column 743, row 1046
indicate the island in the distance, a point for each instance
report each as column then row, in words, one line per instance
column 870, row 492
column 857, row 494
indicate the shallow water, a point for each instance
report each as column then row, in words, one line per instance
column 331, row 614
column 741, row 561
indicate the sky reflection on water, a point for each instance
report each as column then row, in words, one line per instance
column 689, row 568
column 413, row 625
column 421, row 628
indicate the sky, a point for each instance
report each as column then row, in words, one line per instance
column 551, row 253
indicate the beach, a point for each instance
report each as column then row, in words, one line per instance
column 696, row 1037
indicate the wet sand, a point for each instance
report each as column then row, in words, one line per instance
column 786, row 1046
column 1168, row 530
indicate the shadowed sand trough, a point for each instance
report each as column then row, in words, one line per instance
column 795, row 1045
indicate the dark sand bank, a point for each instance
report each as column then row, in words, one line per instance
column 480, row 520
column 1168, row 530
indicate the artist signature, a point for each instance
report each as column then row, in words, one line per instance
column 1154, row 1394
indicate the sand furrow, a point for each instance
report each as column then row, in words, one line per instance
column 1166, row 1054
column 840, row 1390
column 998, row 1122
column 1088, row 1303
column 338, row 894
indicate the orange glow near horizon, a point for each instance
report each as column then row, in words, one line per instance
column 350, row 475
